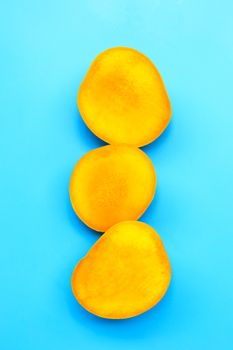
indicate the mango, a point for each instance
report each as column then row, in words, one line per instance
column 122, row 98
column 110, row 184
column 124, row 274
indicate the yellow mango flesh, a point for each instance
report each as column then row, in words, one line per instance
column 123, row 99
column 112, row 184
column 124, row 274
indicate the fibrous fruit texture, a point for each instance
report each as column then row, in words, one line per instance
column 111, row 184
column 124, row 274
column 123, row 99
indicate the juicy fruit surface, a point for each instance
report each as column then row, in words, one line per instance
column 124, row 274
column 112, row 184
column 123, row 99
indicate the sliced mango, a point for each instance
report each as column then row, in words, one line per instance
column 122, row 98
column 124, row 274
column 112, row 184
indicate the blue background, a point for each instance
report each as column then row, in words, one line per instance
column 46, row 47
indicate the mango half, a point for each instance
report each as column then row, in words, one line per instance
column 122, row 98
column 124, row 274
column 111, row 184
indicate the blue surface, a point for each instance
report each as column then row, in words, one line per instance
column 46, row 48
